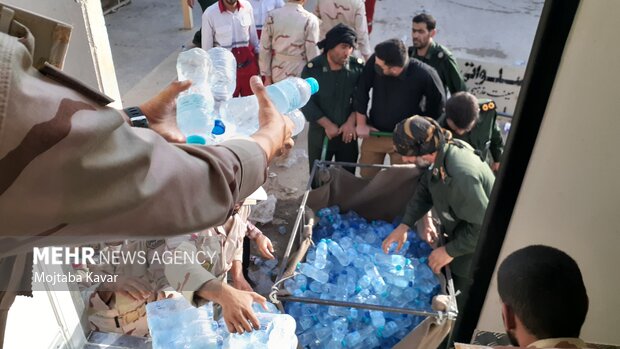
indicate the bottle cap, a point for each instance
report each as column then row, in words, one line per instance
column 219, row 127
column 195, row 139
column 314, row 85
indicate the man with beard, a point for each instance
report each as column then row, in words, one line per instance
column 544, row 299
column 230, row 24
column 330, row 111
column 437, row 56
column 401, row 87
column 457, row 185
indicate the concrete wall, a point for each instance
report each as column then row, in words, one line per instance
column 570, row 196
column 89, row 57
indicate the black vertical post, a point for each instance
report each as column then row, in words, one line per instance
column 553, row 29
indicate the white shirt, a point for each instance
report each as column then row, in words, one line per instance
column 229, row 29
column 261, row 8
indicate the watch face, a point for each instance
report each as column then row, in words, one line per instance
column 140, row 121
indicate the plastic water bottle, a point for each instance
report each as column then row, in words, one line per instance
column 287, row 95
column 377, row 319
column 377, row 282
column 320, row 256
column 195, row 106
column 338, row 252
column 298, row 119
column 389, row 329
column 223, row 76
column 312, row 272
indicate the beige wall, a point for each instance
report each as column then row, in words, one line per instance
column 570, row 197
column 89, row 57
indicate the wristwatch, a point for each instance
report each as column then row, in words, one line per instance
column 137, row 117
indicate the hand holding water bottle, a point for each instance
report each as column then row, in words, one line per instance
column 275, row 131
column 161, row 111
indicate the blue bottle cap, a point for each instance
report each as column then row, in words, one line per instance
column 314, row 85
column 218, row 128
column 195, row 139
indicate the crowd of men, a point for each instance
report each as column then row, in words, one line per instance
column 455, row 142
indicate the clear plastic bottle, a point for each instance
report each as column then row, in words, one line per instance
column 195, row 106
column 312, row 272
column 287, row 95
column 338, row 252
column 223, row 76
column 320, row 255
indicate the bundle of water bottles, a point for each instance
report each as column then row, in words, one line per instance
column 348, row 264
column 176, row 324
column 207, row 113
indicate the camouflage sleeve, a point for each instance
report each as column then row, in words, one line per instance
column 103, row 179
column 266, row 53
column 469, row 202
column 497, row 142
column 420, row 203
column 312, row 37
column 361, row 28
column 187, row 278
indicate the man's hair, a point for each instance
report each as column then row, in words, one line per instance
column 544, row 288
column 462, row 109
column 430, row 21
column 393, row 52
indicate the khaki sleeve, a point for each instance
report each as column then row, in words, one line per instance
column 92, row 177
column 266, row 45
column 361, row 28
column 187, row 278
column 311, row 38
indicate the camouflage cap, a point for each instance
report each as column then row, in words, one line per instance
column 419, row 135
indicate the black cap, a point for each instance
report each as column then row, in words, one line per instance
column 339, row 34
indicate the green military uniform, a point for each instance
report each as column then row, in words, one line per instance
column 334, row 101
column 457, row 186
column 485, row 137
column 440, row 58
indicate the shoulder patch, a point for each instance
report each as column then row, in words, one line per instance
column 490, row 105
column 360, row 61
column 440, row 54
column 310, row 65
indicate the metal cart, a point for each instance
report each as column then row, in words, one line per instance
column 392, row 187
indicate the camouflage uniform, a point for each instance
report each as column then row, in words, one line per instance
column 122, row 314
column 288, row 41
column 349, row 12
column 221, row 245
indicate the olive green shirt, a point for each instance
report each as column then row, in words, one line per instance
column 486, row 136
column 440, row 58
column 336, row 89
column 458, row 187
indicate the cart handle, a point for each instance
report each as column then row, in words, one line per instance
column 373, row 133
